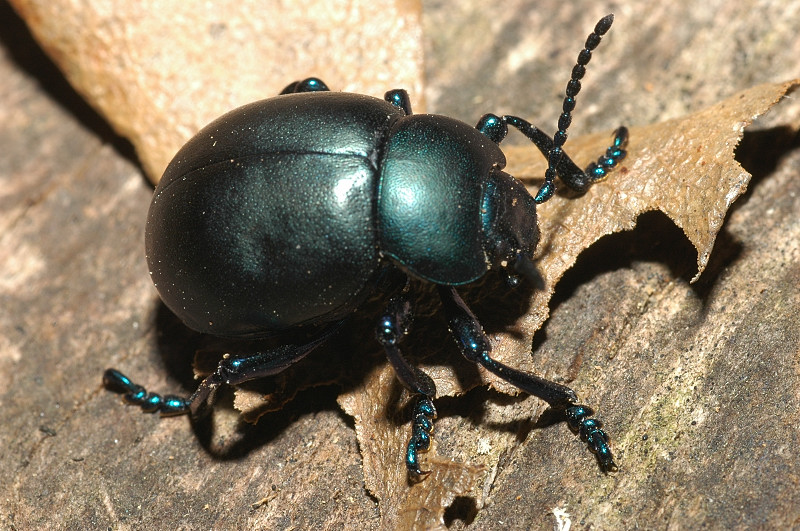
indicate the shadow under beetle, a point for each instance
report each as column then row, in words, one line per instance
column 290, row 212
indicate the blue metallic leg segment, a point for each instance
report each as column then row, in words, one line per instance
column 597, row 171
column 475, row 346
column 392, row 326
column 569, row 172
column 137, row 395
column 421, row 431
column 399, row 98
column 232, row 370
column 590, row 431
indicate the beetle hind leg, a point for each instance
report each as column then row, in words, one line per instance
column 232, row 370
column 137, row 395
column 392, row 326
column 475, row 346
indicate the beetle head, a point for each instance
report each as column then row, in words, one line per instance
column 510, row 227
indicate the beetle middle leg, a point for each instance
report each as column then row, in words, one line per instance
column 475, row 346
column 392, row 327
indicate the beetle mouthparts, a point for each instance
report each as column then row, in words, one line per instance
column 524, row 267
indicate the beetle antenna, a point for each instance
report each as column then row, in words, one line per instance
column 573, row 88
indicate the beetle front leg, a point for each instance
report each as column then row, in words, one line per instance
column 392, row 326
column 566, row 169
column 475, row 346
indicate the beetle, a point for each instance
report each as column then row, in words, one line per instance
column 288, row 213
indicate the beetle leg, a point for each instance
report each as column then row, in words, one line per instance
column 495, row 127
column 399, row 98
column 569, row 172
column 475, row 346
column 310, row 84
column 137, row 395
column 392, row 326
column 591, row 432
column 232, row 370
column 566, row 169
column 597, row 171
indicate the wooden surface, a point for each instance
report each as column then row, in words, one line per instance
column 699, row 384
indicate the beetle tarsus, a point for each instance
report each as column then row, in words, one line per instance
column 135, row 394
column 421, row 432
column 591, row 432
column 597, row 171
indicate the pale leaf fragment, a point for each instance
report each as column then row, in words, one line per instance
column 382, row 439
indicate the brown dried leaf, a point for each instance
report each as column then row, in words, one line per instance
column 382, row 440
column 683, row 167
column 159, row 71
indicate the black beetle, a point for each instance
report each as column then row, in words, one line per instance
column 290, row 212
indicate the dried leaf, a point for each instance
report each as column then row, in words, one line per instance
column 159, row 71
column 382, row 439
